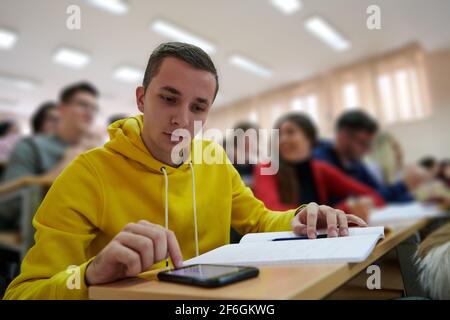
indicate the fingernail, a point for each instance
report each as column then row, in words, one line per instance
column 344, row 232
column 312, row 235
column 333, row 234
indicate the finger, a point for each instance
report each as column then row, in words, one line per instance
column 311, row 220
column 331, row 217
column 140, row 244
column 174, row 249
column 343, row 225
column 295, row 222
column 154, row 232
column 128, row 258
column 297, row 227
column 356, row 220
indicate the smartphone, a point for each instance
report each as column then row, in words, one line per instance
column 208, row 275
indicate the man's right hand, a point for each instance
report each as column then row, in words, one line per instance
column 134, row 250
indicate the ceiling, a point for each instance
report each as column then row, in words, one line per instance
column 249, row 27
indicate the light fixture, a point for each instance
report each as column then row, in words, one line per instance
column 71, row 58
column 117, row 7
column 325, row 32
column 128, row 74
column 7, row 39
column 250, row 66
column 176, row 33
column 17, row 82
column 287, row 6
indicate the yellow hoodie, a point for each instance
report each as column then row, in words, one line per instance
column 106, row 188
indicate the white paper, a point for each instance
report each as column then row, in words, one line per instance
column 349, row 249
column 269, row 236
column 402, row 213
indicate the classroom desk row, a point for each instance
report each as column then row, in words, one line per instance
column 311, row 281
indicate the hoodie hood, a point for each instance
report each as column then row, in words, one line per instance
column 125, row 139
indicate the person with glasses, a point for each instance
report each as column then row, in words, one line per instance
column 46, row 155
column 45, row 119
column 355, row 132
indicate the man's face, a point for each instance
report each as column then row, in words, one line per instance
column 176, row 97
column 354, row 144
column 79, row 111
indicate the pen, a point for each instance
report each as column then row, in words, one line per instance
column 320, row 236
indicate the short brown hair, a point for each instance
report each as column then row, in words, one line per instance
column 188, row 53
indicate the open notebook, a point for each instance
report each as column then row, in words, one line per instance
column 260, row 249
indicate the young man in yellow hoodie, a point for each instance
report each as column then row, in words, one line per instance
column 122, row 209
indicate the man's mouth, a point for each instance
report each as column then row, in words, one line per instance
column 173, row 137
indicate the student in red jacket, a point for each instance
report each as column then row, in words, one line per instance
column 301, row 179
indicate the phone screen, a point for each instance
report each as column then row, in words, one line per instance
column 203, row 272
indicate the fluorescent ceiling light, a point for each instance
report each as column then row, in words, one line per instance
column 287, row 6
column 71, row 58
column 19, row 83
column 250, row 66
column 7, row 39
column 175, row 33
column 128, row 74
column 325, row 32
column 118, row 7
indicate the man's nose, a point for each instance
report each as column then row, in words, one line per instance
column 181, row 117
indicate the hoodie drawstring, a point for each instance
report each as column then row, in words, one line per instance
column 194, row 203
column 166, row 204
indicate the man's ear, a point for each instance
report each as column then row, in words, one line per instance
column 140, row 94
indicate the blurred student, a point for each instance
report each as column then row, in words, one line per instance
column 122, row 209
column 245, row 150
column 45, row 119
column 301, row 179
column 444, row 172
column 431, row 165
column 355, row 131
column 9, row 135
column 434, row 189
column 385, row 160
column 47, row 155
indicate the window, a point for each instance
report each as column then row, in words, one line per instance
column 351, row 97
column 276, row 113
column 308, row 104
column 400, row 95
column 253, row 117
column 387, row 99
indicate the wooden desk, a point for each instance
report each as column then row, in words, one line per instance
column 280, row 282
column 24, row 181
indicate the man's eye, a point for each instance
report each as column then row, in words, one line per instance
column 168, row 99
column 197, row 108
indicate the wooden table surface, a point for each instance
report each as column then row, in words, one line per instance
column 308, row 281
